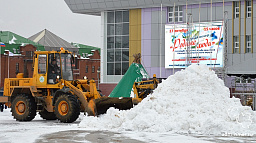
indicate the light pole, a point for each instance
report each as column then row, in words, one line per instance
column 98, row 73
column 189, row 34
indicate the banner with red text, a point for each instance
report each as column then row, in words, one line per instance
column 204, row 41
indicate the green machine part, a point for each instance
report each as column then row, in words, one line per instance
column 135, row 73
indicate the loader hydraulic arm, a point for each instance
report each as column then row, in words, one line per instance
column 84, row 97
column 78, row 93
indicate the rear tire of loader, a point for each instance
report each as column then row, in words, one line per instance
column 1, row 107
column 67, row 108
column 23, row 108
column 47, row 115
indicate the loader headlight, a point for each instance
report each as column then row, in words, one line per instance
column 58, row 77
column 85, row 77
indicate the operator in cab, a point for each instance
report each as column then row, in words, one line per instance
column 54, row 70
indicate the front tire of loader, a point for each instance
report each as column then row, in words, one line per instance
column 67, row 108
column 23, row 108
column 47, row 115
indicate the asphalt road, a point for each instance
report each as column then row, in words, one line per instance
column 85, row 136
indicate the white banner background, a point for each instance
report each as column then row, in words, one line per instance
column 209, row 49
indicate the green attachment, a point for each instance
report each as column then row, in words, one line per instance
column 135, row 73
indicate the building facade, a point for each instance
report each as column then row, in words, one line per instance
column 135, row 26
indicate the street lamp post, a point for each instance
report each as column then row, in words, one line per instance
column 98, row 73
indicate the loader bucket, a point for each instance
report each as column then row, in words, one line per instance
column 101, row 105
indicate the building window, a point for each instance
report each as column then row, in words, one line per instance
column 236, row 9
column 17, row 68
column 29, row 54
column 248, row 44
column 86, row 69
column 236, row 44
column 93, row 69
column 248, row 8
column 98, row 71
column 175, row 13
column 117, row 42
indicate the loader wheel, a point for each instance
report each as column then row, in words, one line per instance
column 47, row 115
column 67, row 108
column 23, row 108
column 1, row 107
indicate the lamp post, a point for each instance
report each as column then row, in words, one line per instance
column 189, row 34
column 98, row 73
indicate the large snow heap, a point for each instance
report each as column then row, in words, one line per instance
column 193, row 100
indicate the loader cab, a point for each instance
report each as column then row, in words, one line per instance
column 52, row 65
column 59, row 66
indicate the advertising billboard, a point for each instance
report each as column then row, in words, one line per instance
column 199, row 43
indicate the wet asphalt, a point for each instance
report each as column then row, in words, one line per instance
column 78, row 136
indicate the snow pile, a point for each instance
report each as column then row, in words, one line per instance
column 193, row 100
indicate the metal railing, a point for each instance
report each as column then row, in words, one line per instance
column 245, row 89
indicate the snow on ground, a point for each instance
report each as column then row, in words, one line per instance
column 14, row 131
column 39, row 130
column 193, row 101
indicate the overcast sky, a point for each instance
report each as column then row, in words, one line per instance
column 28, row 17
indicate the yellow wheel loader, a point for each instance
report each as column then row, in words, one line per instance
column 53, row 93
column 143, row 88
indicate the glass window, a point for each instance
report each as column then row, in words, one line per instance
column 29, row 54
column 125, row 29
column 175, row 13
column 125, row 16
column 110, row 16
column 125, row 66
column 236, row 44
column 17, row 68
column 118, row 29
column 54, row 68
column 111, row 29
column 117, row 68
column 118, row 55
column 41, row 64
column 125, row 55
column 86, row 69
column 110, row 56
column 236, row 8
column 93, row 69
column 66, row 67
column 110, row 69
column 125, row 42
column 176, row 18
column 117, row 42
column 248, row 44
column 110, row 42
column 118, row 16
column 249, row 8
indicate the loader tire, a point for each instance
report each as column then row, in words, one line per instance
column 1, row 107
column 47, row 115
column 23, row 108
column 67, row 108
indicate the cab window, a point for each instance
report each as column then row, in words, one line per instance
column 41, row 64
